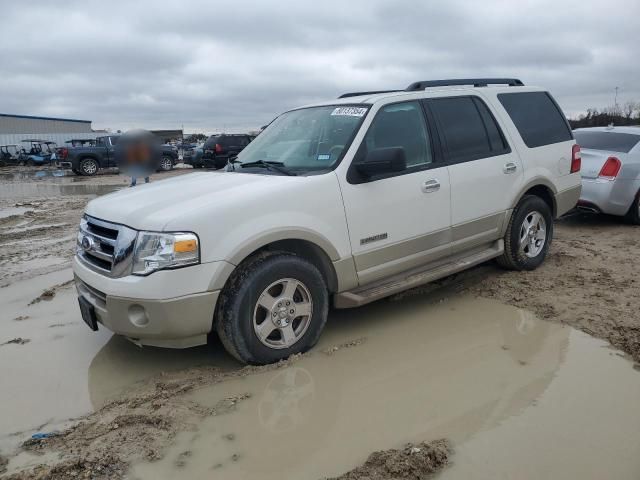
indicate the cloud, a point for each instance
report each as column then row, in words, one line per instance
column 235, row 65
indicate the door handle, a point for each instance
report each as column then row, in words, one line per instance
column 431, row 185
column 509, row 167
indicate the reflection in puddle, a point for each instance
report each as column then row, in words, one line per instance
column 467, row 370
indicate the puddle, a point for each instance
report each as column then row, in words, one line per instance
column 12, row 211
column 16, row 191
column 68, row 371
column 518, row 397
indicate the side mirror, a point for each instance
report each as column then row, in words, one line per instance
column 383, row 160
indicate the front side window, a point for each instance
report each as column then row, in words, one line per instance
column 309, row 139
column 400, row 125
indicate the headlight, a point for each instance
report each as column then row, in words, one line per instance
column 156, row 251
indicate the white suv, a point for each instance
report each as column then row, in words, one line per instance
column 342, row 202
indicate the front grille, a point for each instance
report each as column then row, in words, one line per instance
column 105, row 247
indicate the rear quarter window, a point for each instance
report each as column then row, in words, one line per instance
column 608, row 141
column 537, row 117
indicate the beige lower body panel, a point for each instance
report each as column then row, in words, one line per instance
column 567, row 200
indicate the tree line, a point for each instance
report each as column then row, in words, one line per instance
column 627, row 114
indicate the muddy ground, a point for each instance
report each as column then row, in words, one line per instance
column 588, row 282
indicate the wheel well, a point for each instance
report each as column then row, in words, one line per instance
column 310, row 252
column 545, row 194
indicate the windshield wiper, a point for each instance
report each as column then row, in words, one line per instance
column 269, row 165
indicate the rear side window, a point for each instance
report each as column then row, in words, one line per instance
column 537, row 117
column 468, row 129
column 609, row 141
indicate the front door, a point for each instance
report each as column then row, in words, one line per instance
column 398, row 221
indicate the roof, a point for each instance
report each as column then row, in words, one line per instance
column 374, row 97
column 634, row 129
column 44, row 118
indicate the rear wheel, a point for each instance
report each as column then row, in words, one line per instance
column 275, row 305
column 30, row 163
column 528, row 235
column 88, row 167
column 633, row 215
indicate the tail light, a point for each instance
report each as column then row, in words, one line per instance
column 218, row 148
column 576, row 159
column 610, row 169
column 64, row 152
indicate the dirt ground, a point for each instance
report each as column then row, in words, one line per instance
column 588, row 282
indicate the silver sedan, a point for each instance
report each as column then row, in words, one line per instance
column 610, row 170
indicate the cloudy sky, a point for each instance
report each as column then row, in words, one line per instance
column 213, row 65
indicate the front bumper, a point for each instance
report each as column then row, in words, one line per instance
column 172, row 318
column 613, row 197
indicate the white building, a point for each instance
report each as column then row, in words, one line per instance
column 15, row 128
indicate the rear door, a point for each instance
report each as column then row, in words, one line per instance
column 398, row 221
column 483, row 169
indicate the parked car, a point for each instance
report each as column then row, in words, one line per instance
column 88, row 160
column 9, row 154
column 344, row 202
column 217, row 150
column 610, row 171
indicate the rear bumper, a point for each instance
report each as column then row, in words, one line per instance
column 613, row 197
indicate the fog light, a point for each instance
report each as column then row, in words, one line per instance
column 138, row 315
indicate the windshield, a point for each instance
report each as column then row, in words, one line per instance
column 307, row 139
column 608, row 141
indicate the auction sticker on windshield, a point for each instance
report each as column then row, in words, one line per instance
column 349, row 111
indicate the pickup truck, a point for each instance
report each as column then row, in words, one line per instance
column 90, row 159
column 342, row 202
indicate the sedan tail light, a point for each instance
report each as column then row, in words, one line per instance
column 610, row 169
column 576, row 159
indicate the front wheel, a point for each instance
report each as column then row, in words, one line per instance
column 528, row 235
column 275, row 305
column 166, row 164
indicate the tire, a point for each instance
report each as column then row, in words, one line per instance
column 240, row 313
column 30, row 163
column 166, row 164
column 88, row 167
column 633, row 215
column 530, row 253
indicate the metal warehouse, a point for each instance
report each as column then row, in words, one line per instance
column 15, row 128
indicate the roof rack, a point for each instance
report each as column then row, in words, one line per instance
column 476, row 82
column 372, row 92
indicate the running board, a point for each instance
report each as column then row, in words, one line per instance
column 416, row 277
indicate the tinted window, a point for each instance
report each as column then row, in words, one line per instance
column 469, row 130
column 537, row 118
column 400, row 125
column 114, row 140
column 609, row 141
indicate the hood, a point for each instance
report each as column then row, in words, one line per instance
column 152, row 206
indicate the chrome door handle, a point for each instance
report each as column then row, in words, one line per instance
column 431, row 185
column 509, row 167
